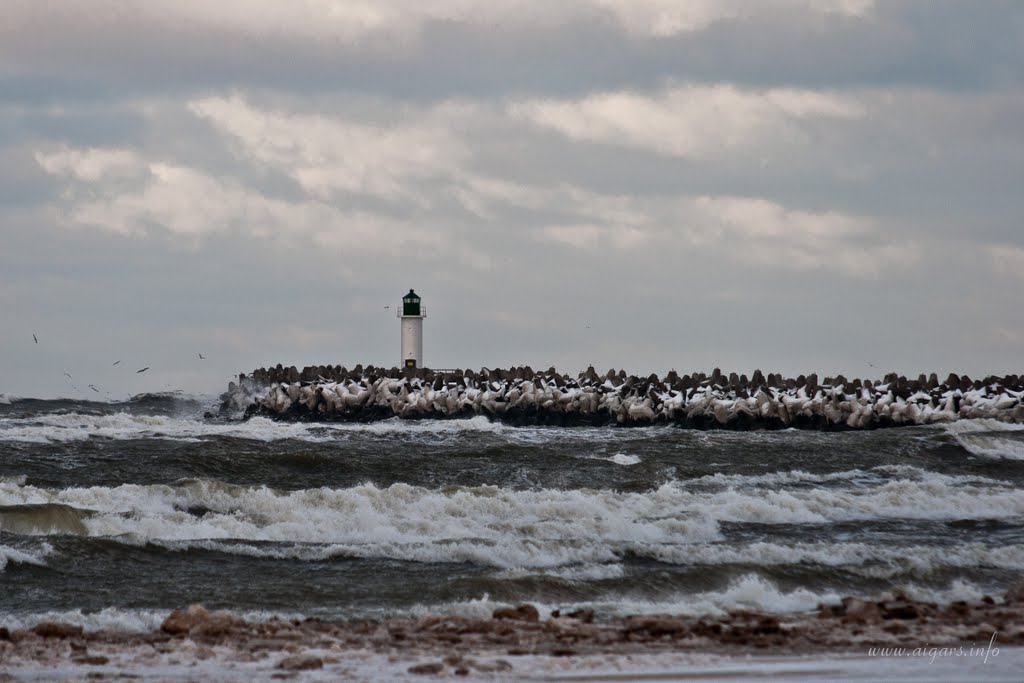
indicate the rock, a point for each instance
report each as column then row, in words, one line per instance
column 301, row 663
column 1015, row 593
column 899, row 609
column 858, row 610
column 520, row 613
column 268, row 644
column 585, row 616
column 55, row 629
column 707, row 630
column 216, row 625
column 896, row 627
column 767, row 625
column 197, row 620
column 655, row 626
column 429, row 669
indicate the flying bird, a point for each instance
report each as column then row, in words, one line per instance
column 35, row 339
column 387, row 307
column 142, row 370
column 94, row 388
column 202, row 357
column 116, row 362
column 68, row 375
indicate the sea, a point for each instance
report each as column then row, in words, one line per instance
column 112, row 514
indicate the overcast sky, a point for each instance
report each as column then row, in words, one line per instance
column 790, row 185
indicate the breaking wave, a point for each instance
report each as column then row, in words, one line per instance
column 77, row 426
column 746, row 592
column 500, row 527
column 43, row 519
column 989, row 438
column 9, row 555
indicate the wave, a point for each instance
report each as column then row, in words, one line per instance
column 747, row 592
column 990, row 439
column 9, row 555
column 77, row 426
column 874, row 476
column 488, row 525
column 865, row 559
column 119, row 619
column 69, row 427
column 624, row 459
column 982, row 425
column 43, row 519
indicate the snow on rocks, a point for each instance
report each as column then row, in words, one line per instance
column 522, row 396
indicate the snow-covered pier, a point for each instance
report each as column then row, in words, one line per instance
column 524, row 396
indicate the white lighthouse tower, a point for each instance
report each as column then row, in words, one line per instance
column 412, row 315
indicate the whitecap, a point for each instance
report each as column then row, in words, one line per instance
column 988, row 438
column 9, row 555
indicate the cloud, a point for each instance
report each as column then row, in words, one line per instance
column 694, row 121
column 354, row 23
column 413, row 176
column 589, row 236
column 664, row 18
column 91, row 165
column 189, row 203
column 327, row 154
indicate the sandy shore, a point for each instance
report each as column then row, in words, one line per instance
column 982, row 641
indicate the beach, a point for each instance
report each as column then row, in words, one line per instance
column 899, row 638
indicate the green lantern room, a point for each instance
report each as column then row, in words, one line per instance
column 411, row 303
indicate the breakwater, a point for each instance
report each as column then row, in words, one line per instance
column 522, row 396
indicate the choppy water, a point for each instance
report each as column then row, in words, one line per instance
column 114, row 514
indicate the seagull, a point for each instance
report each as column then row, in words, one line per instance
column 387, row 307
column 116, row 362
column 68, row 375
column 142, row 370
column 35, row 339
column 202, row 357
column 94, row 388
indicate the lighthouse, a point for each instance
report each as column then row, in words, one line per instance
column 412, row 315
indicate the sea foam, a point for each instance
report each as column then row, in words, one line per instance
column 494, row 526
